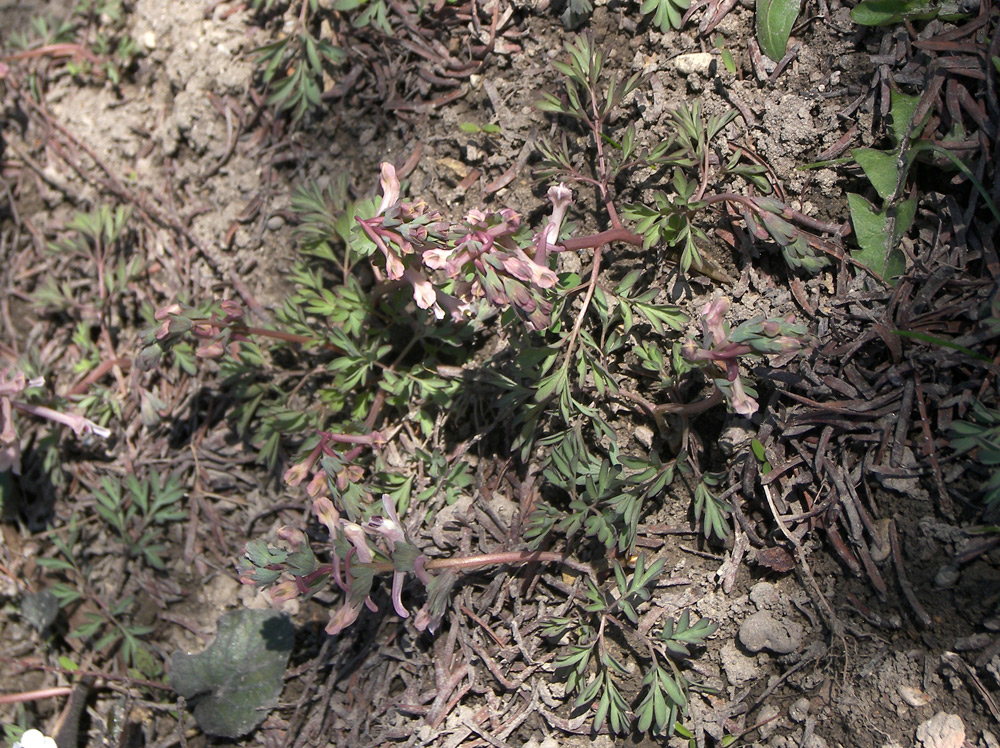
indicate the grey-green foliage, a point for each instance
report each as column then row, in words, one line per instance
column 100, row 238
column 667, row 14
column 774, row 21
column 592, row 671
column 607, row 494
column 293, row 70
column 709, row 509
column 982, row 434
column 108, row 624
column 233, row 683
column 140, row 511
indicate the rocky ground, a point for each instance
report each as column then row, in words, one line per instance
column 856, row 593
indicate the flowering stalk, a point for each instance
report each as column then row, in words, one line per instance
column 723, row 347
column 12, row 385
column 354, row 564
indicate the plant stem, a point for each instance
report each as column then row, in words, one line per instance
column 469, row 563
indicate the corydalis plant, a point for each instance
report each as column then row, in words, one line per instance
column 723, row 346
column 358, row 551
column 481, row 257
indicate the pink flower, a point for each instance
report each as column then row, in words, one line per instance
column 345, row 615
column 356, row 535
column 437, row 259
column 713, row 316
column 524, row 269
column 283, row 592
column 390, row 188
column 393, row 265
column 317, row 484
column 561, row 197
column 294, row 537
column 423, row 292
column 327, row 514
column 742, row 403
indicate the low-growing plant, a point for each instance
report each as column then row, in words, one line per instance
column 879, row 230
column 92, row 40
column 16, row 391
column 774, row 20
column 100, row 238
column 107, row 624
column 293, row 66
column 139, row 513
column 379, row 334
column 592, row 670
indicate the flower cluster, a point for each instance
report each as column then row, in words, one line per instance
column 722, row 347
column 480, row 256
column 356, row 548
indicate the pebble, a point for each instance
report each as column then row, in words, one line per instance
column 766, row 720
column 695, row 62
column 946, row 576
column 275, row 222
column 643, row 435
column 972, row 642
column 764, row 595
column 799, row 710
column 943, row 730
column 762, row 631
column 913, row 696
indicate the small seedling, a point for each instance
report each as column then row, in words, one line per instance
column 140, row 513
column 106, row 624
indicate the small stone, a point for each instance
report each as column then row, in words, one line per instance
column 799, row 710
column 766, row 720
column 695, row 62
column 992, row 624
column 972, row 642
column 473, row 154
column 275, row 222
column 764, row 595
column 644, row 435
column 943, row 730
column 880, row 548
column 148, row 40
column 738, row 667
column 989, row 740
column 913, row 696
column 947, row 576
column 735, row 438
column 762, row 631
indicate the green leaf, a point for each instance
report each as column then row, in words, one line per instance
column 881, row 168
column 872, row 230
column 667, row 14
column 884, row 12
column 236, row 679
column 775, row 19
column 903, row 108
